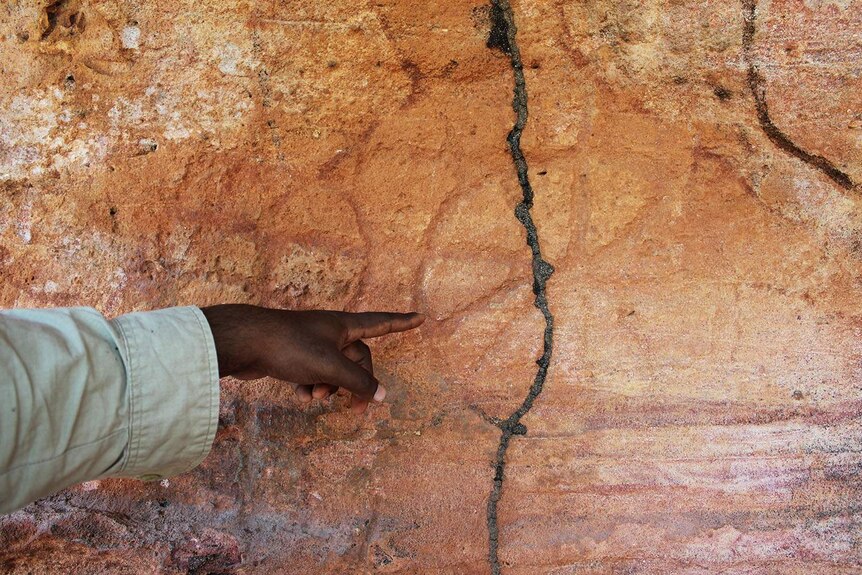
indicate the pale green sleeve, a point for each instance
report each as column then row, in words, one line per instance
column 82, row 397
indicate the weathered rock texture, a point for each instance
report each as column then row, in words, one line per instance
column 696, row 170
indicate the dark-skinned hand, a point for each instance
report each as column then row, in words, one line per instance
column 317, row 352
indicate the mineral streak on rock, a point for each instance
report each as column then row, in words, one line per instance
column 504, row 37
column 757, row 86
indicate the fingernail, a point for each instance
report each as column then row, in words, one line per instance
column 380, row 393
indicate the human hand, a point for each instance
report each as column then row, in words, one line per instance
column 317, row 352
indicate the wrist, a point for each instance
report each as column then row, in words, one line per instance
column 232, row 326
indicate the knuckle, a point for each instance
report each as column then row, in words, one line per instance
column 367, row 384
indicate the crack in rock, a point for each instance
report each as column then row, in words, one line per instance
column 502, row 37
column 757, row 86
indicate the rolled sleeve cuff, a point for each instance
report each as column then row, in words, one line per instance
column 173, row 390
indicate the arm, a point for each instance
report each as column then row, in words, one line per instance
column 82, row 397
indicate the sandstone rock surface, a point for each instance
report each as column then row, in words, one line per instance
column 696, row 169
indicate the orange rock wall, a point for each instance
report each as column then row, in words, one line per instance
column 696, row 170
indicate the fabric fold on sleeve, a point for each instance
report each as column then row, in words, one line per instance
column 173, row 391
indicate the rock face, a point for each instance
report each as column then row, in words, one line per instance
column 696, row 171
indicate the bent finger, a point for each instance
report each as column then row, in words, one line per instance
column 303, row 393
column 358, row 405
column 354, row 378
column 323, row 390
column 360, row 353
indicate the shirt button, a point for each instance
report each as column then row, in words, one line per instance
column 150, row 477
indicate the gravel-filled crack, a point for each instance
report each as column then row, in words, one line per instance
column 503, row 37
column 757, row 86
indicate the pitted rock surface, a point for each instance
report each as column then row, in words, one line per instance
column 701, row 408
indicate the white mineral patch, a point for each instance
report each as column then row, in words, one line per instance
column 823, row 204
column 229, row 57
column 34, row 136
column 39, row 132
column 131, row 37
column 119, row 280
column 24, row 224
column 817, row 4
column 147, row 145
column 125, row 112
column 78, row 153
column 26, row 124
column 175, row 130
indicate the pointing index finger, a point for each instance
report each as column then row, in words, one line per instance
column 377, row 323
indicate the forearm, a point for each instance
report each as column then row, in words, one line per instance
column 82, row 397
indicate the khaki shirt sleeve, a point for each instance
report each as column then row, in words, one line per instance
column 83, row 398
